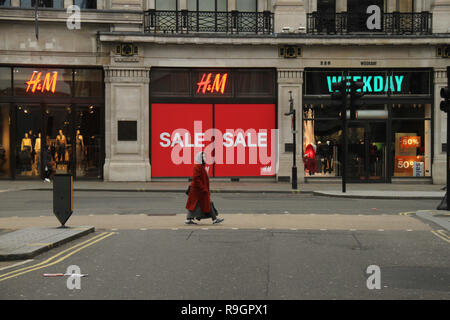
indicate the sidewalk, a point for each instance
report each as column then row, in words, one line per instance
column 359, row 190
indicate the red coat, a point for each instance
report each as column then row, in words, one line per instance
column 199, row 190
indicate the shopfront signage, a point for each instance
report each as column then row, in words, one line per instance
column 372, row 84
column 47, row 84
column 410, row 141
column 242, row 141
column 210, row 84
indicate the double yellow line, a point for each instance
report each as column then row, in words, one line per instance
column 62, row 256
column 441, row 234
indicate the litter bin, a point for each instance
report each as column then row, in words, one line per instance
column 63, row 197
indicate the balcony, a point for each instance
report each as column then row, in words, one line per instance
column 184, row 21
column 395, row 23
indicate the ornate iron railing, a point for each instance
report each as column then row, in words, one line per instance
column 185, row 21
column 391, row 23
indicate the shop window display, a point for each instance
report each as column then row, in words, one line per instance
column 321, row 140
column 4, row 141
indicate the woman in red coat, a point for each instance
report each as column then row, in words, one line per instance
column 199, row 201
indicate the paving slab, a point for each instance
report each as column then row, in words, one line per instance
column 439, row 217
column 387, row 194
column 29, row 242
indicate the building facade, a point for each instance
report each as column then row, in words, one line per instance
column 136, row 88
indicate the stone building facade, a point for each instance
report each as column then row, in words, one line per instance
column 130, row 41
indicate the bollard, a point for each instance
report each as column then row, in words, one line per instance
column 63, row 197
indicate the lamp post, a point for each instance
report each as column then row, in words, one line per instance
column 294, row 140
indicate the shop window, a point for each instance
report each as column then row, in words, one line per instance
column 5, row 81
column 5, row 3
column 413, row 110
column 56, row 4
column 32, row 82
column 28, row 140
column 88, row 83
column 86, row 4
column 320, row 110
column 411, row 148
column 88, row 141
column 321, row 140
column 5, row 149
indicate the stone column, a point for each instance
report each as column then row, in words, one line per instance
column 290, row 80
column 440, row 129
column 127, row 97
column 289, row 13
column 441, row 14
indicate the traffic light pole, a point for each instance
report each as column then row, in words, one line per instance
column 344, row 133
column 448, row 145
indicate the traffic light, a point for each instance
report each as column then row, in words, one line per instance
column 445, row 104
column 339, row 95
column 356, row 93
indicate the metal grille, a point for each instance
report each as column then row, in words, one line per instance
column 208, row 22
column 391, row 23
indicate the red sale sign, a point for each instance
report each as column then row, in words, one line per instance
column 247, row 135
column 174, row 143
column 242, row 143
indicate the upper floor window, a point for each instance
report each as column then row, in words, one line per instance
column 207, row 5
column 164, row 5
column 247, row 5
column 56, row 4
column 86, row 4
column 5, row 3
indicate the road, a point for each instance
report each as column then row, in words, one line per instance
column 37, row 203
column 271, row 246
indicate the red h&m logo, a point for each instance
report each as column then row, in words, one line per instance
column 218, row 85
column 35, row 82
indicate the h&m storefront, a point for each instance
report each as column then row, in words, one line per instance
column 230, row 114
column 56, row 106
column 391, row 137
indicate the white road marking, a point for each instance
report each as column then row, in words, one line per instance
column 16, row 264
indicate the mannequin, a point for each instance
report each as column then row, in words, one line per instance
column 79, row 149
column 25, row 153
column 61, row 145
column 37, row 154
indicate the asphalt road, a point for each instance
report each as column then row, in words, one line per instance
column 37, row 203
column 243, row 264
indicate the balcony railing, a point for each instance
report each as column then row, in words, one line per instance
column 185, row 21
column 391, row 23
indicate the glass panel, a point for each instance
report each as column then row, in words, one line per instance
column 206, row 5
column 321, row 140
column 166, row 5
column 170, row 82
column 88, row 83
column 192, row 5
column 319, row 82
column 320, row 110
column 5, row 3
column 366, row 151
column 375, row 82
column 86, row 4
column 42, row 82
column 29, row 140
column 58, row 136
column 57, row 4
column 411, row 82
column 411, row 148
column 254, row 83
column 5, row 81
column 222, row 5
column 5, row 165
column 88, row 142
column 246, row 5
column 415, row 110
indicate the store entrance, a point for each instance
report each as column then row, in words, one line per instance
column 366, row 152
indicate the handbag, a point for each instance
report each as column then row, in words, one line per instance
column 188, row 189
